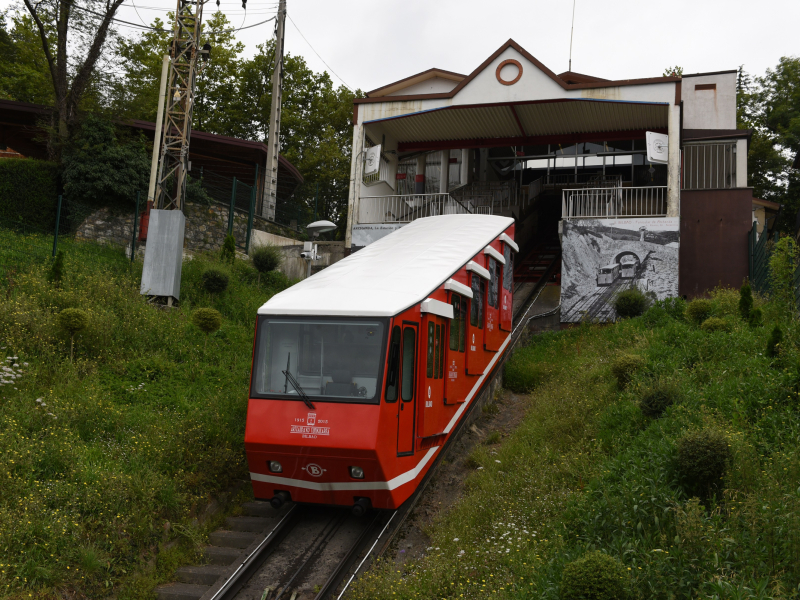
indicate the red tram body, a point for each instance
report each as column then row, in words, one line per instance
column 390, row 346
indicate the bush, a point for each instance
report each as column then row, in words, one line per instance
column 714, row 324
column 215, row 281
column 625, row 366
column 658, row 398
column 631, row 303
column 675, row 307
column 655, row 316
column 745, row 301
column 596, row 576
column 228, row 251
column 774, row 342
column 28, row 193
column 72, row 320
column 698, row 310
column 266, row 258
column 702, row 458
column 756, row 318
column 207, row 320
column 782, row 264
column 56, row 273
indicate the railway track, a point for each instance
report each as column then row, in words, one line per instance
column 284, row 554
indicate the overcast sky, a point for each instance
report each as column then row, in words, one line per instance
column 368, row 44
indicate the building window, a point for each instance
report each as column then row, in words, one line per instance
column 709, row 166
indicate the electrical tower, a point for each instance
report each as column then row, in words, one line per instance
column 174, row 163
column 270, row 197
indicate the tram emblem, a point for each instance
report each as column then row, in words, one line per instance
column 314, row 470
column 311, row 420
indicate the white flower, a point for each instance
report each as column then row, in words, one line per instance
column 39, row 399
column 455, row 539
column 24, row 364
column 43, row 404
column 497, row 461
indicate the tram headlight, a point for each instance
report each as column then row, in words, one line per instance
column 356, row 472
column 275, row 466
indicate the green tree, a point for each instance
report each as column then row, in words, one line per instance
column 104, row 164
column 24, row 74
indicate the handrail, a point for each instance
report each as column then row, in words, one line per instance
column 612, row 202
column 404, row 208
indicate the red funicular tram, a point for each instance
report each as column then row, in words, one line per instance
column 361, row 372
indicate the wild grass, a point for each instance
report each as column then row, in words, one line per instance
column 107, row 462
column 586, row 471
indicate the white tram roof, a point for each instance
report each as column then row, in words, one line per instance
column 393, row 273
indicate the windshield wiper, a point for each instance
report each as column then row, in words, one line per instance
column 298, row 389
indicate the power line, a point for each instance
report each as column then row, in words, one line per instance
column 317, row 53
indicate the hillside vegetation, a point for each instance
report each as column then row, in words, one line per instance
column 666, row 444
column 107, row 460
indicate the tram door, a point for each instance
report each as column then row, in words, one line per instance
column 430, row 408
column 407, row 404
column 493, row 338
column 506, row 297
column 454, row 374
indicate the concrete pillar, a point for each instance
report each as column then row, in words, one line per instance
column 465, row 160
column 674, row 164
column 741, row 164
column 354, row 194
column 419, row 179
column 444, row 179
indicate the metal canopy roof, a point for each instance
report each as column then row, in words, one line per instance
column 525, row 121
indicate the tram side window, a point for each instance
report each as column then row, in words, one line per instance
column 407, row 384
column 392, row 375
column 494, row 283
column 435, row 368
column 458, row 324
column 431, row 335
column 440, row 331
column 478, row 292
column 508, row 268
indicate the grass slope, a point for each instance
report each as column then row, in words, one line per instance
column 105, row 461
column 588, row 471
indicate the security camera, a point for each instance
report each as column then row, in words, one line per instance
column 307, row 255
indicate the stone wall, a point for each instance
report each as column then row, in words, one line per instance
column 206, row 227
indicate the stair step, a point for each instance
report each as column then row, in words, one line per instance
column 258, row 509
column 217, row 555
column 181, row 591
column 232, row 539
column 251, row 524
column 202, row 575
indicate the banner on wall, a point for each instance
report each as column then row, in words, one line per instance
column 603, row 257
column 364, row 235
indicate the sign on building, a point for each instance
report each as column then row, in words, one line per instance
column 364, row 235
column 373, row 162
column 657, row 147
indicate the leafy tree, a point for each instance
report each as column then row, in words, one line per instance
column 73, row 36
column 675, row 71
column 24, row 74
column 72, row 321
column 103, row 164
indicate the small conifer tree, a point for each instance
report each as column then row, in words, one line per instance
column 774, row 342
column 56, row 273
column 745, row 301
column 228, row 252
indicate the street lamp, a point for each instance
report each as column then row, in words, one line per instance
column 309, row 252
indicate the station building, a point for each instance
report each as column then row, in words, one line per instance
column 565, row 155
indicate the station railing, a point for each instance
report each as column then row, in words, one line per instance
column 409, row 207
column 612, row 202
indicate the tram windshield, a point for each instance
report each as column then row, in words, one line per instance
column 338, row 360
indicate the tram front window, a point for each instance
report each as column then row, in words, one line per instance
column 332, row 359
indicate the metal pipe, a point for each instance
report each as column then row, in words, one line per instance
column 58, row 220
column 230, row 210
column 135, row 222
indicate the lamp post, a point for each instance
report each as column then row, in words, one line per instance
column 309, row 252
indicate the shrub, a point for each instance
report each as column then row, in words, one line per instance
column 266, row 258
column 228, row 251
column 675, row 307
column 72, row 320
column 494, row 438
column 56, row 273
column 714, row 324
column 596, row 576
column 207, row 320
column 625, row 366
column 658, row 398
column 655, row 316
column 702, row 458
column 28, row 193
column 782, row 264
column 774, row 342
column 698, row 310
column 745, row 301
column 215, row 281
column 756, row 318
column 631, row 303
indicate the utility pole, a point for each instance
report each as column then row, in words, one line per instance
column 185, row 50
column 269, row 200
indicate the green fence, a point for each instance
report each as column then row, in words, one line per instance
column 759, row 252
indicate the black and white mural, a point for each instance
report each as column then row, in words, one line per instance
column 602, row 257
